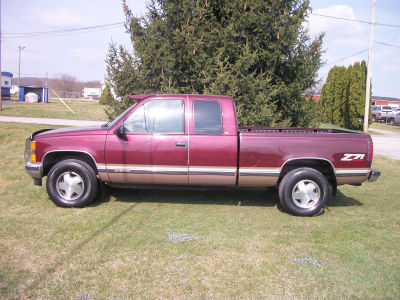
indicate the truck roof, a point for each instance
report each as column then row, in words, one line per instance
column 144, row 96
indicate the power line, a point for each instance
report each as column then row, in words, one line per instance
column 365, row 50
column 386, row 44
column 59, row 32
column 344, row 58
column 354, row 20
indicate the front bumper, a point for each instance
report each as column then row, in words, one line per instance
column 35, row 170
column 374, row 175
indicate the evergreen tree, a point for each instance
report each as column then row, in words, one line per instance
column 345, row 102
column 326, row 100
column 257, row 52
column 106, row 96
column 342, row 98
column 338, row 95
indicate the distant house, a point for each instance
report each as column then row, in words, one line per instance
column 389, row 101
column 6, row 83
column 14, row 89
column 91, row 92
column 376, row 100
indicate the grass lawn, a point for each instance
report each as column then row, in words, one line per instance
column 84, row 110
column 207, row 244
column 384, row 126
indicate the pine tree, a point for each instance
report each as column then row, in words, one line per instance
column 106, row 97
column 345, row 105
column 343, row 96
column 338, row 96
column 357, row 94
column 257, row 52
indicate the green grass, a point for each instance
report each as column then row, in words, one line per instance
column 84, row 110
column 384, row 126
column 245, row 247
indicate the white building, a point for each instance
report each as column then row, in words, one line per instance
column 91, row 92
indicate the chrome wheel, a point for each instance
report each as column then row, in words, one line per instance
column 70, row 186
column 306, row 194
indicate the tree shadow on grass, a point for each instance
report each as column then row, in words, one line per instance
column 242, row 197
column 343, row 200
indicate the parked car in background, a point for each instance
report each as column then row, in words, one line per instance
column 394, row 118
column 391, row 117
column 380, row 113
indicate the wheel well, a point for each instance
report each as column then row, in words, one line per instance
column 320, row 165
column 54, row 157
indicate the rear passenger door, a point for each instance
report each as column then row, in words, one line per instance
column 212, row 145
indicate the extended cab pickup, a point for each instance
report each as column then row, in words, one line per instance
column 194, row 140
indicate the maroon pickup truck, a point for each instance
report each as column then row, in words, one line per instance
column 194, row 140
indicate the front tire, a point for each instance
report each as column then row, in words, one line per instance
column 304, row 192
column 71, row 183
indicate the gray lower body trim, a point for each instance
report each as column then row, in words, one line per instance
column 351, row 174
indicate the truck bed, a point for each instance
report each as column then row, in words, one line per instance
column 264, row 152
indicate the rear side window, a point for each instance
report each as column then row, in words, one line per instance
column 207, row 117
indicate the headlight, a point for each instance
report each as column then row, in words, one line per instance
column 30, row 150
column 33, row 151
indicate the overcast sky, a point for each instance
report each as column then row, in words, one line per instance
column 82, row 54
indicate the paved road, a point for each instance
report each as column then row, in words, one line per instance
column 50, row 121
column 387, row 144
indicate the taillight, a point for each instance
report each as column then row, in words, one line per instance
column 379, row 114
column 370, row 149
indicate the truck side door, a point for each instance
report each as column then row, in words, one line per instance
column 154, row 147
column 213, row 142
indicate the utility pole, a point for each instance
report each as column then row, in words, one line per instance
column 1, row 77
column 20, row 48
column 369, row 70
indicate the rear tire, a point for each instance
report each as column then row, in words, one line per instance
column 304, row 192
column 72, row 183
column 392, row 123
column 373, row 118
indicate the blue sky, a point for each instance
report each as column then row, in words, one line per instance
column 83, row 54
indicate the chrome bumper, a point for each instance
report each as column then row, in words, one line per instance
column 36, row 172
column 34, row 169
column 374, row 175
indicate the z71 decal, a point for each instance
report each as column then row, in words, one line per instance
column 353, row 157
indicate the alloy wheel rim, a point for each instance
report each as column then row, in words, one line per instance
column 70, row 186
column 306, row 194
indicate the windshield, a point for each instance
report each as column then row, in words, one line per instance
column 110, row 124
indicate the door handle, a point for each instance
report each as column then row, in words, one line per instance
column 181, row 144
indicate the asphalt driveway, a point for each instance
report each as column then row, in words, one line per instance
column 387, row 144
column 49, row 121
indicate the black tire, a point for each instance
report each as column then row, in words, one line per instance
column 391, row 122
column 72, row 183
column 301, row 181
column 373, row 118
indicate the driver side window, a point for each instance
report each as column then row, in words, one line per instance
column 157, row 116
column 136, row 122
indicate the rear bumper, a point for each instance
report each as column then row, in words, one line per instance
column 374, row 175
